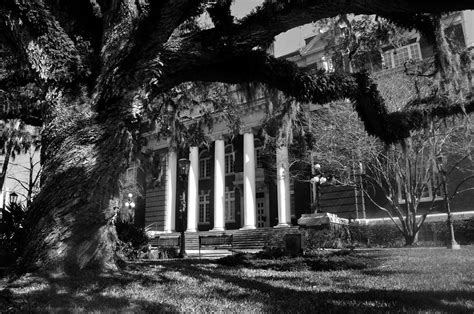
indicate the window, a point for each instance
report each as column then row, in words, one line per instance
column 229, row 159
column 229, row 205
column 204, row 165
column 259, row 158
column 204, row 207
column 258, row 154
column 292, row 199
column 397, row 57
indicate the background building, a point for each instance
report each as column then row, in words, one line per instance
column 234, row 184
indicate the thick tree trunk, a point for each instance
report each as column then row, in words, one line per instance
column 70, row 222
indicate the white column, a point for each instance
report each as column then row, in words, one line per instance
column 250, row 214
column 193, row 188
column 170, row 210
column 219, row 185
column 283, row 187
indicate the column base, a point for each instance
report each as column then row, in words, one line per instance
column 191, row 230
column 217, row 229
column 282, row 226
column 248, row 228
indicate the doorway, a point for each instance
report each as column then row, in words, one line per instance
column 261, row 212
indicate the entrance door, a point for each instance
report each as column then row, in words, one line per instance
column 261, row 217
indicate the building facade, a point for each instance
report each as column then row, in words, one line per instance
column 234, row 184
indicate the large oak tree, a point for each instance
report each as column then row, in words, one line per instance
column 88, row 70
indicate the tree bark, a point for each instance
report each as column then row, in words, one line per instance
column 70, row 222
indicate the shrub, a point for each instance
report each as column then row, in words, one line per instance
column 433, row 233
column 12, row 234
column 386, row 235
column 379, row 235
column 464, row 231
column 275, row 241
column 438, row 232
column 133, row 239
column 335, row 237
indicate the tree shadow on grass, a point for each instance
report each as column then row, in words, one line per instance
column 272, row 291
column 89, row 292
column 386, row 272
column 278, row 297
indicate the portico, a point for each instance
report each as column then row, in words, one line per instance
column 222, row 180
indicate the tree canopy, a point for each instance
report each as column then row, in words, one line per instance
column 123, row 49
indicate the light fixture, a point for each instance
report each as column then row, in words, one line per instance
column 13, row 198
column 130, row 203
column 183, row 164
column 170, row 108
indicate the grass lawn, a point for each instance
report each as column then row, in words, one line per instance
column 414, row 279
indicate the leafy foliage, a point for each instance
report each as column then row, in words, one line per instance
column 133, row 239
column 12, row 233
column 188, row 112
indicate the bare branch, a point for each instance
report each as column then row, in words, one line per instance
column 23, row 184
column 387, row 212
column 456, row 190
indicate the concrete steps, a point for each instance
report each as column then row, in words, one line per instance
column 251, row 239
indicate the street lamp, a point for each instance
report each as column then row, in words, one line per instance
column 317, row 180
column 183, row 169
column 130, row 203
column 13, row 198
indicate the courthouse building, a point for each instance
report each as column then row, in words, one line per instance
column 231, row 184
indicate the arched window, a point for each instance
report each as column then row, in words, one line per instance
column 204, row 165
column 229, row 159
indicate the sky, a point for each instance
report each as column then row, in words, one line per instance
column 285, row 42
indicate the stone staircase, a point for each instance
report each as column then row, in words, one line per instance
column 242, row 239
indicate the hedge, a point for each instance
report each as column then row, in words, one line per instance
column 381, row 235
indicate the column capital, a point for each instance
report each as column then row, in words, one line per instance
column 248, row 129
column 218, row 137
column 172, row 147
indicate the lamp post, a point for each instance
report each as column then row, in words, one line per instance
column 317, row 180
column 183, row 169
column 11, row 214
column 13, row 198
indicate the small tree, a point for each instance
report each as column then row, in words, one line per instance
column 31, row 184
column 454, row 147
column 416, row 171
column 15, row 138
